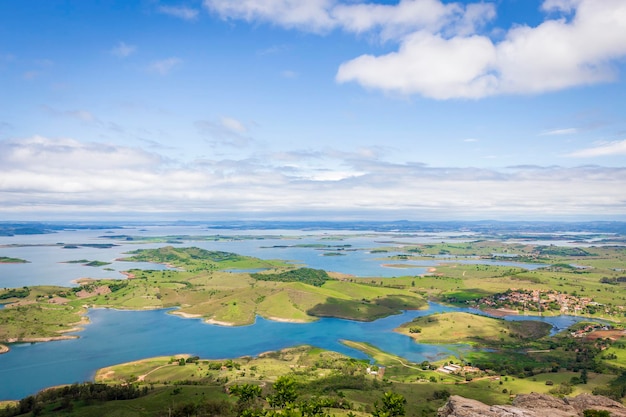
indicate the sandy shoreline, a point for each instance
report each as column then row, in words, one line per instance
column 46, row 339
column 219, row 323
column 186, row 315
column 399, row 266
column 3, row 349
column 283, row 320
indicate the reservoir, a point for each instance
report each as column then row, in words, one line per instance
column 49, row 255
column 116, row 336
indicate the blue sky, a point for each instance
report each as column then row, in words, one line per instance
column 412, row 109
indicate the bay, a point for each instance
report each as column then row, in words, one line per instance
column 115, row 336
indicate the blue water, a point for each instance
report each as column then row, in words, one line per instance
column 48, row 264
column 121, row 336
column 115, row 336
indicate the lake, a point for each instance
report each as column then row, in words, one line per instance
column 48, row 260
column 121, row 336
column 116, row 336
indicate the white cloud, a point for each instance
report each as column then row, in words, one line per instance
column 165, row 66
column 39, row 175
column 397, row 19
column 123, row 50
column 429, row 65
column 605, row 149
column 310, row 15
column 557, row 132
column 41, row 155
column 560, row 5
column 181, row 12
column 390, row 20
column 554, row 55
column 442, row 53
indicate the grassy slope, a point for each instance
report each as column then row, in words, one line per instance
column 470, row 328
column 33, row 317
column 315, row 368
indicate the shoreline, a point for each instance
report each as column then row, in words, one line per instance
column 186, row 315
column 219, row 323
column 284, row 320
column 4, row 349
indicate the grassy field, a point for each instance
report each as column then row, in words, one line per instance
column 202, row 289
column 172, row 382
column 472, row 329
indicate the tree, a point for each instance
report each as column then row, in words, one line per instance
column 393, row 405
column 284, row 392
column 583, row 376
column 248, row 395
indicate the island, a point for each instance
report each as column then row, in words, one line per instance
column 491, row 359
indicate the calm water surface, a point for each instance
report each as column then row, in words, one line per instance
column 48, row 264
column 121, row 336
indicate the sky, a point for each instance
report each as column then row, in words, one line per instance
column 313, row 109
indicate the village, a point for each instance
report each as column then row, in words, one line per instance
column 520, row 301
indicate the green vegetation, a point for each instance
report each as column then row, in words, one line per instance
column 7, row 294
column 367, row 309
column 511, row 356
column 474, row 329
column 298, row 381
column 38, row 322
column 316, row 277
column 169, row 254
column 7, row 260
column 87, row 262
column 203, row 289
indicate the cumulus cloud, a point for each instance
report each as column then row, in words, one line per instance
column 442, row 52
column 123, row 50
column 181, row 12
column 431, row 65
column 165, row 66
column 605, row 149
column 554, row 55
column 40, row 174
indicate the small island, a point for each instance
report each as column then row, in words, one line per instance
column 87, row 262
column 202, row 286
column 7, row 260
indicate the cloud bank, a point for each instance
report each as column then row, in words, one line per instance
column 40, row 175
